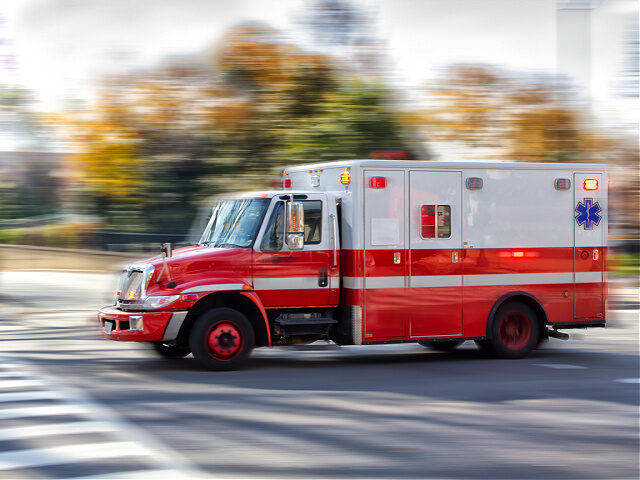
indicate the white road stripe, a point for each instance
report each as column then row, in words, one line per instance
column 56, row 429
column 37, row 457
column 560, row 366
column 628, row 380
column 31, row 395
column 140, row 474
column 43, row 411
column 28, row 382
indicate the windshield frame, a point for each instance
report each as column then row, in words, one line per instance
column 266, row 204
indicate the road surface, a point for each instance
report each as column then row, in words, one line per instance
column 75, row 405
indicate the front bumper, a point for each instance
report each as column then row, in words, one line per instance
column 156, row 326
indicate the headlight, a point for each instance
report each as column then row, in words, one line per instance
column 148, row 277
column 159, row 301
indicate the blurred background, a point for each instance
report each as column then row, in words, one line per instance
column 120, row 121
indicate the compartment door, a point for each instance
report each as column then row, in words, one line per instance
column 384, row 255
column 589, row 254
column 435, row 267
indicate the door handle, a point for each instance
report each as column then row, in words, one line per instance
column 595, row 254
column 454, row 257
column 396, row 258
column 323, row 278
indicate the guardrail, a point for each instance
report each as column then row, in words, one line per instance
column 24, row 257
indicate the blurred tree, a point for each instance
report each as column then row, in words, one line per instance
column 158, row 142
column 481, row 107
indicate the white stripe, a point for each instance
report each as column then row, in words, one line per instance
column 55, row 429
column 286, row 283
column 140, row 474
column 211, row 288
column 588, row 277
column 355, row 283
column 70, row 453
column 384, row 282
column 21, row 383
column 436, row 281
column 517, row 279
column 43, row 411
column 31, row 395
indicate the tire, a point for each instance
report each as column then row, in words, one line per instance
column 447, row 346
column 515, row 330
column 167, row 350
column 222, row 339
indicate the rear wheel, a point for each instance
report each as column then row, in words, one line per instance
column 446, row 346
column 222, row 339
column 515, row 330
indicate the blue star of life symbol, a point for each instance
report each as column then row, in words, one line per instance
column 588, row 213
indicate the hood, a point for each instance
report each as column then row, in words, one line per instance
column 191, row 265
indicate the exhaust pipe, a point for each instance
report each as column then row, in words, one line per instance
column 557, row 334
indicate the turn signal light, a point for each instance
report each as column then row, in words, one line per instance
column 591, row 184
column 345, row 178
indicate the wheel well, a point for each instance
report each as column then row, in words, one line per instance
column 525, row 298
column 230, row 300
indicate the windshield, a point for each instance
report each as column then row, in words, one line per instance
column 235, row 223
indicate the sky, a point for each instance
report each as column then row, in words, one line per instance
column 63, row 47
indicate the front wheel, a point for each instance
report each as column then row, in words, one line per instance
column 222, row 339
column 515, row 330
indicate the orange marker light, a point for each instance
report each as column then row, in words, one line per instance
column 345, row 178
column 591, row 184
column 131, row 294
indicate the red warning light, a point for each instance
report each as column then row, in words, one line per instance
column 591, row 184
column 517, row 254
column 584, row 255
column 287, row 183
column 378, row 182
column 345, row 178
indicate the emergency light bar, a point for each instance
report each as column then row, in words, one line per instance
column 591, row 184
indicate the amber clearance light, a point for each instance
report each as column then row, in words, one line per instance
column 345, row 178
column 591, row 184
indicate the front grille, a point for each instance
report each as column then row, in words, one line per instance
column 132, row 284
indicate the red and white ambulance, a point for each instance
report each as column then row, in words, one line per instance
column 380, row 251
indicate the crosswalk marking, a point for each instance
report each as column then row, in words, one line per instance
column 31, row 395
column 41, row 411
column 15, row 433
column 21, row 382
column 37, row 457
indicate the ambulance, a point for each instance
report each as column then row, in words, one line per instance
column 380, row 251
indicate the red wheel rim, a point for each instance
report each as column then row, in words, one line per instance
column 514, row 330
column 224, row 340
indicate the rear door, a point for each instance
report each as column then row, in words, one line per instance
column 435, row 258
column 589, row 236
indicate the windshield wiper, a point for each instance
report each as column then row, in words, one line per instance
column 228, row 245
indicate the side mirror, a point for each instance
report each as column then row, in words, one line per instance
column 295, row 225
column 167, row 250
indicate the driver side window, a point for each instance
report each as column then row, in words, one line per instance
column 274, row 234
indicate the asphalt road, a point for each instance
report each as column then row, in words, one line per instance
column 75, row 405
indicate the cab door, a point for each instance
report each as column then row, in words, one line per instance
column 301, row 278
